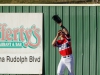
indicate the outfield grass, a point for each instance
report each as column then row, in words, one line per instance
column 43, row 1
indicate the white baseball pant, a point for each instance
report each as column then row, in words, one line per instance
column 65, row 62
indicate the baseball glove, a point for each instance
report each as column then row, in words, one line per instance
column 56, row 18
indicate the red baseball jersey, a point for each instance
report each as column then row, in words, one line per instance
column 64, row 46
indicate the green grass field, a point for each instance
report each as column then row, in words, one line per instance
column 44, row 1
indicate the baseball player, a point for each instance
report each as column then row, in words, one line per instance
column 65, row 50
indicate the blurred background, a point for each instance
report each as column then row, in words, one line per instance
column 49, row 1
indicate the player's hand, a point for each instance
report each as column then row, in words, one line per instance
column 58, row 34
column 60, row 24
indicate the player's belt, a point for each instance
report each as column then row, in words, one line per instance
column 65, row 56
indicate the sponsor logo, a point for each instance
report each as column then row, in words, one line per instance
column 19, row 37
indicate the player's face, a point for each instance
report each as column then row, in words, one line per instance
column 62, row 34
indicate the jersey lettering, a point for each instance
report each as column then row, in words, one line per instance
column 64, row 46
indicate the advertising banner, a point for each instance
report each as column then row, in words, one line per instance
column 21, row 43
